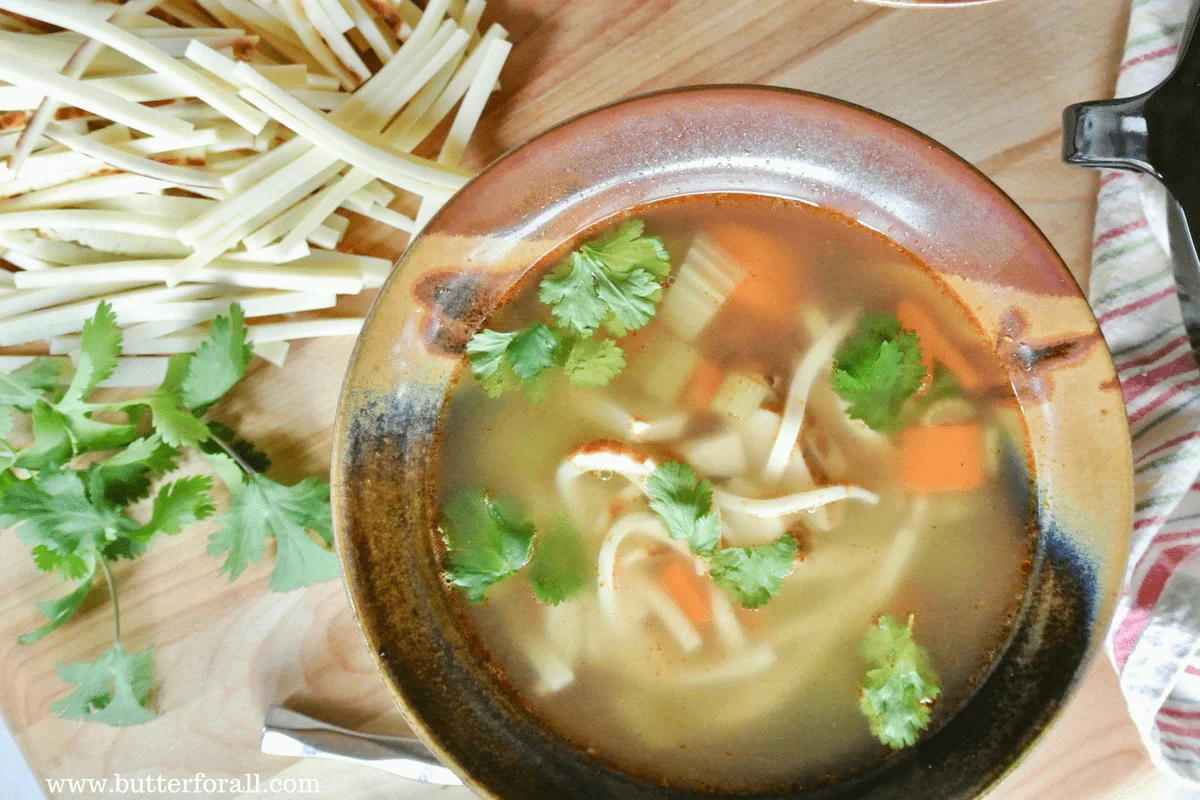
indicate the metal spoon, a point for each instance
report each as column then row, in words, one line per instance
column 290, row 733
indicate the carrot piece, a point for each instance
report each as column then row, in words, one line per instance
column 703, row 385
column 681, row 586
column 941, row 458
column 935, row 345
column 768, row 260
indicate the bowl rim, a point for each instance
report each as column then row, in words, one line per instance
column 980, row 180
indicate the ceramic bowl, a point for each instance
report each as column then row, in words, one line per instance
column 726, row 139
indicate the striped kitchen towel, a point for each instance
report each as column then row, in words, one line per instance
column 1155, row 635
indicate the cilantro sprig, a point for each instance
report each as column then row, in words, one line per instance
column 614, row 282
column 488, row 539
column 75, row 513
column 899, row 690
column 877, row 369
column 685, row 504
column 526, row 358
column 751, row 576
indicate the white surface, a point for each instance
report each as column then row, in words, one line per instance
column 16, row 780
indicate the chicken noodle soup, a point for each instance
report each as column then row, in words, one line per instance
column 735, row 495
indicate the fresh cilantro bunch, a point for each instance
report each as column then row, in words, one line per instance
column 899, row 690
column 613, row 282
column 74, row 512
column 877, row 369
column 487, row 540
column 750, row 575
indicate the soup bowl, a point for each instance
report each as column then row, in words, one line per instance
column 762, row 141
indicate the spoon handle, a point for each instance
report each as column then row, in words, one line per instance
column 290, row 733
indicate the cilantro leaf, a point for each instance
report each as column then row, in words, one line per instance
column 177, row 505
column 685, row 504
column 753, row 575
column 877, row 369
column 99, row 346
column 538, row 389
column 219, row 362
column 486, row 541
column 901, row 686
column 500, row 361
column 177, row 370
column 58, row 611
column 486, row 352
column 24, row 385
column 570, row 291
column 177, row 426
column 92, row 435
column 626, row 249
column 53, row 513
column 593, row 362
column 113, row 689
column 613, row 280
column 532, row 350
column 560, row 568
column 582, row 294
column 501, row 381
column 149, row 452
column 265, row 509
column 632, row 298
column 52, row 444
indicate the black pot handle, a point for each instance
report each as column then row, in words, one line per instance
column 1156, row 133
column 1108, row 134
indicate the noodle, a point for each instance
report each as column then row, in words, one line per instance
column 792, row 503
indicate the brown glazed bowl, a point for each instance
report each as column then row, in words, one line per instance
column 726, row 139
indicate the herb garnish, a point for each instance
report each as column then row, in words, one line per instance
column 560, row 568
column 877, row 369
column 505, row 361
column 614, row 282
column 899, row 690
column 488, row 540
column 685, row 504
column 750, row 575
column 76, row 518
column 753, row 575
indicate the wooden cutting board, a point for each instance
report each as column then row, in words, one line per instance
column 990, row 82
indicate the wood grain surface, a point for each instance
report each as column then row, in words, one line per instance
column 988, row 81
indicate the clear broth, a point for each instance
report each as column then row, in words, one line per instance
column 798, row 721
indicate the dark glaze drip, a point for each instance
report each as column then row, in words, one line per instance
column 1035, row 361
column 455, row 304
